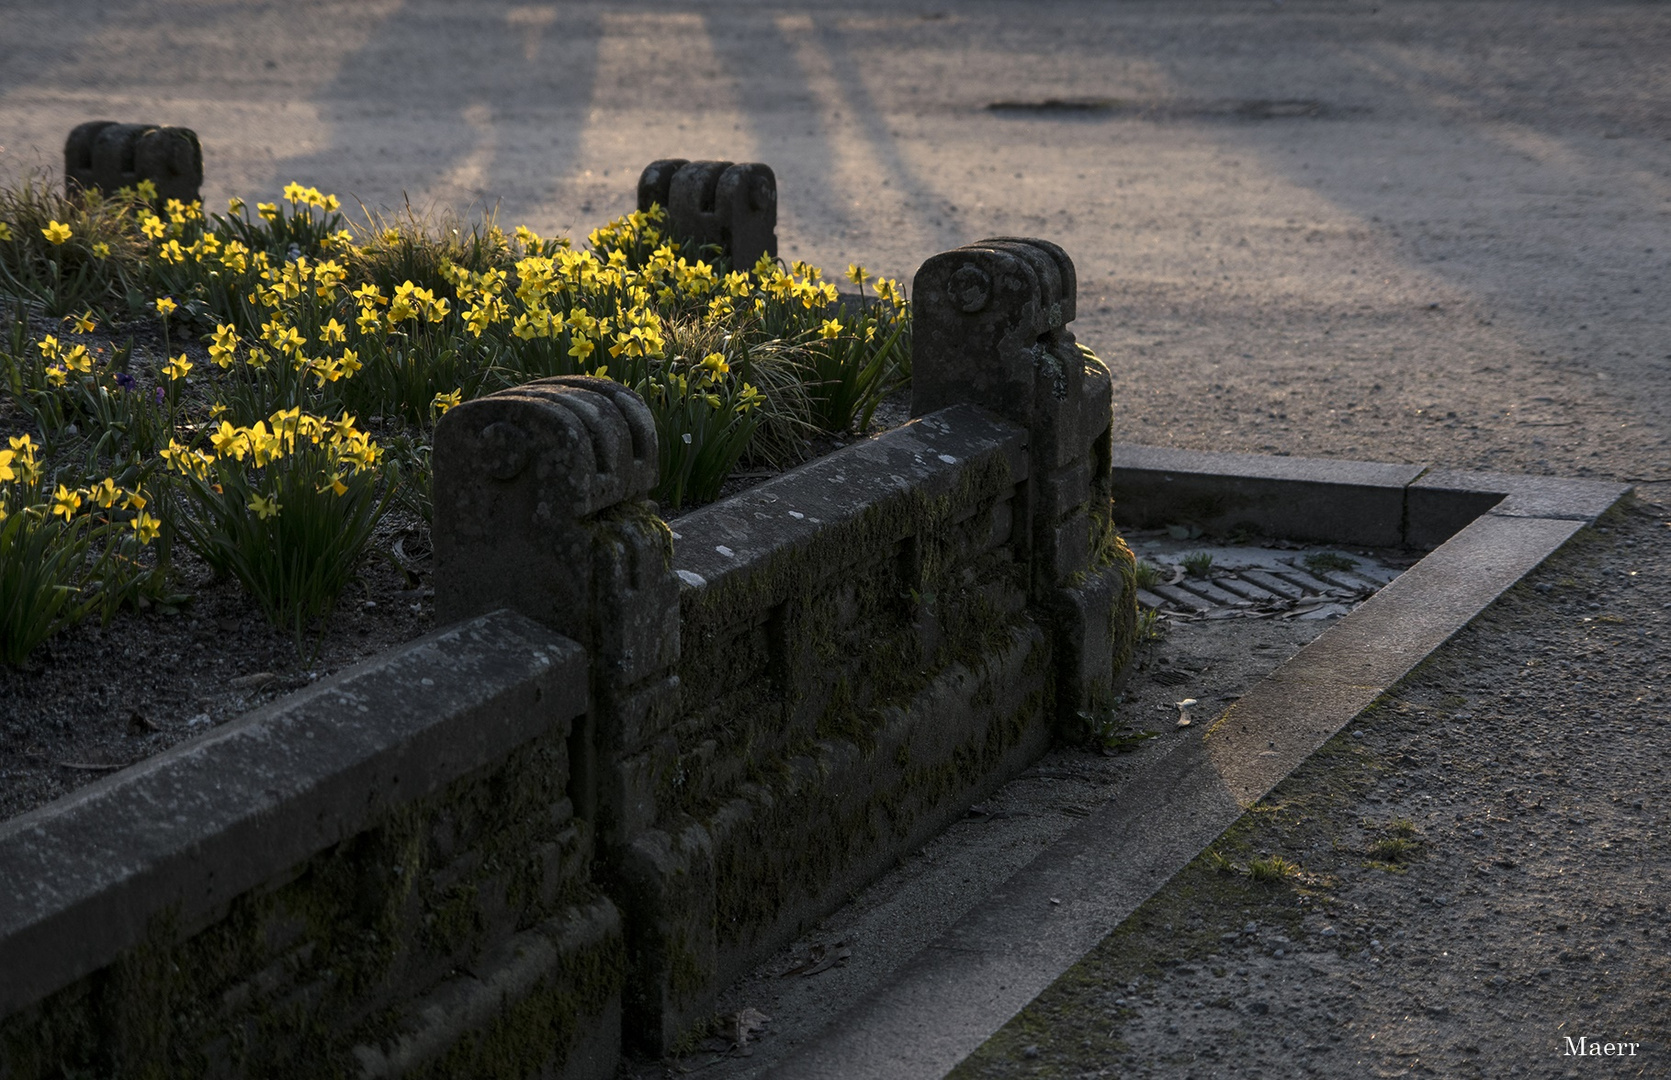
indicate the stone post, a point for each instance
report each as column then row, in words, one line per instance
column 106, row 156
column 541, row 506
column 990, row 328
column 716, row 202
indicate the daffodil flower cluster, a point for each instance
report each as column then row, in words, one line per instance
column 20, row 479
column 349, row 451
column 62, row 362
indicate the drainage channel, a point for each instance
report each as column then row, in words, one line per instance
column 1213, row 637
column 1277, row 647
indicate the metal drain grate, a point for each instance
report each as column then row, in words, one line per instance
column 1239, row 582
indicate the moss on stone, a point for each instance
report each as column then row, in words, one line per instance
column 537, row 1035
column 289, row 977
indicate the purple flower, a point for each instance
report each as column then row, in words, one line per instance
column 159, row 395
column 125, row 381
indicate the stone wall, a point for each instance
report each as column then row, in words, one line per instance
column 639, row 759
column 381, row 874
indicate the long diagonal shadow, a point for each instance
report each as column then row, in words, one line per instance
column 947, row 230
column 442, row 95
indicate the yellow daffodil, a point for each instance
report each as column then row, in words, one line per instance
column 229, row 441
column 177, row 368
column 151, row 225
column 857, row 274
column 265, row 446
column 83, row 323
column 49, row 346
column 133, row 500
column 5, row 232
column 166, row 306
column 830, row 329
column 443, row 402
column 56, row 232
column 66, row 502
column 78, row 360
column 147, row 190
column 235, row 205
column 233, row 257
column 267, row 211
column 264, row 506
column 22, row 460
column 6, row 470
column 145, row 527
column 104, row 492
column 224, row 346
column 101, row 250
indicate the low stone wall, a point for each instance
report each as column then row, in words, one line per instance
column 381, row 874
column 639, row 759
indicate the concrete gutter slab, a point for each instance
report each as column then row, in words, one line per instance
column 1338, row 502
column 943, row 1003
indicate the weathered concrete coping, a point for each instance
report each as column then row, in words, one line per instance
column 948, row 999
column 1375, row 504
column 1444, row 500
column 1343, row 502
column 183, row 833
column 926, row 457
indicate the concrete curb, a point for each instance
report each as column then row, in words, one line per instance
column 948, row 999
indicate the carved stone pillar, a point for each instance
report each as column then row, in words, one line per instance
column 106, row 156
column 990, row 328
column 716, row 202
column 540, row 505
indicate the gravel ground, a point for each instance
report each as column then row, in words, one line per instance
column 1480, row 870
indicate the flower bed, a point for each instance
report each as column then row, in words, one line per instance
column 213, row 428
column 303, row 363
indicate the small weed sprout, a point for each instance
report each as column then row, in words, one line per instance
column 1323, row 561
column 1148, row 574
column 1402, row 827
column 1272, row 868
column 1392, row 849
column 1219, row 863
column 1106, row 733
column 1151, row 626
column 1198, row 564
